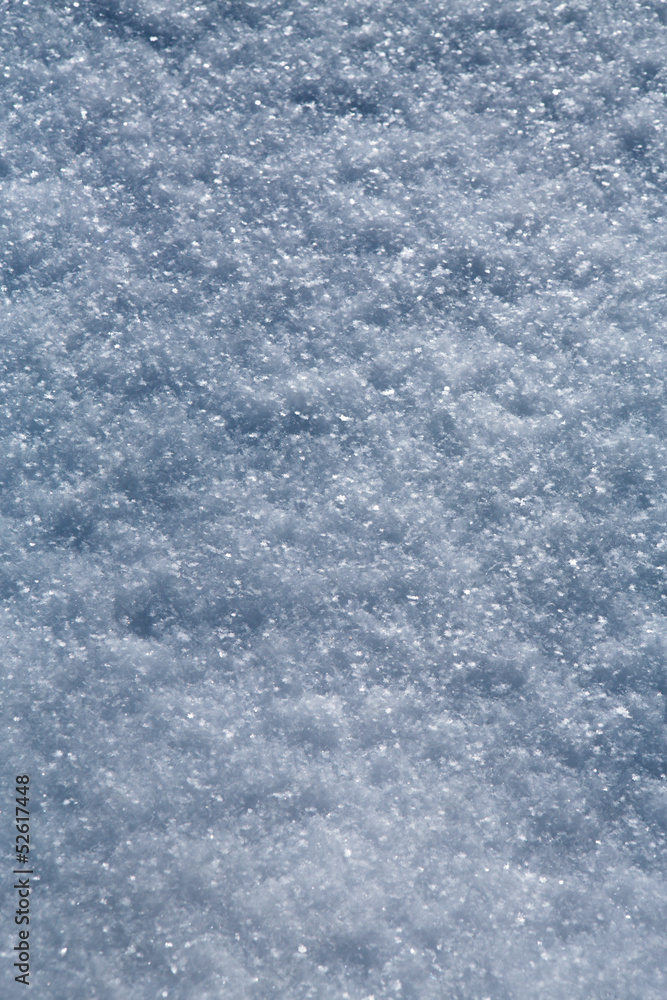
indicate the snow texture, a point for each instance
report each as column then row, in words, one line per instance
column 333, row 495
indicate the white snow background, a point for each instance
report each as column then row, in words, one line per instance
column 333, row 497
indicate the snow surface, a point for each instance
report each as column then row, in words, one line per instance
column 333, row 496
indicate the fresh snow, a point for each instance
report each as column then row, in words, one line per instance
column 333, row 496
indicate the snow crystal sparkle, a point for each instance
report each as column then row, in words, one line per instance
column 332, row 494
